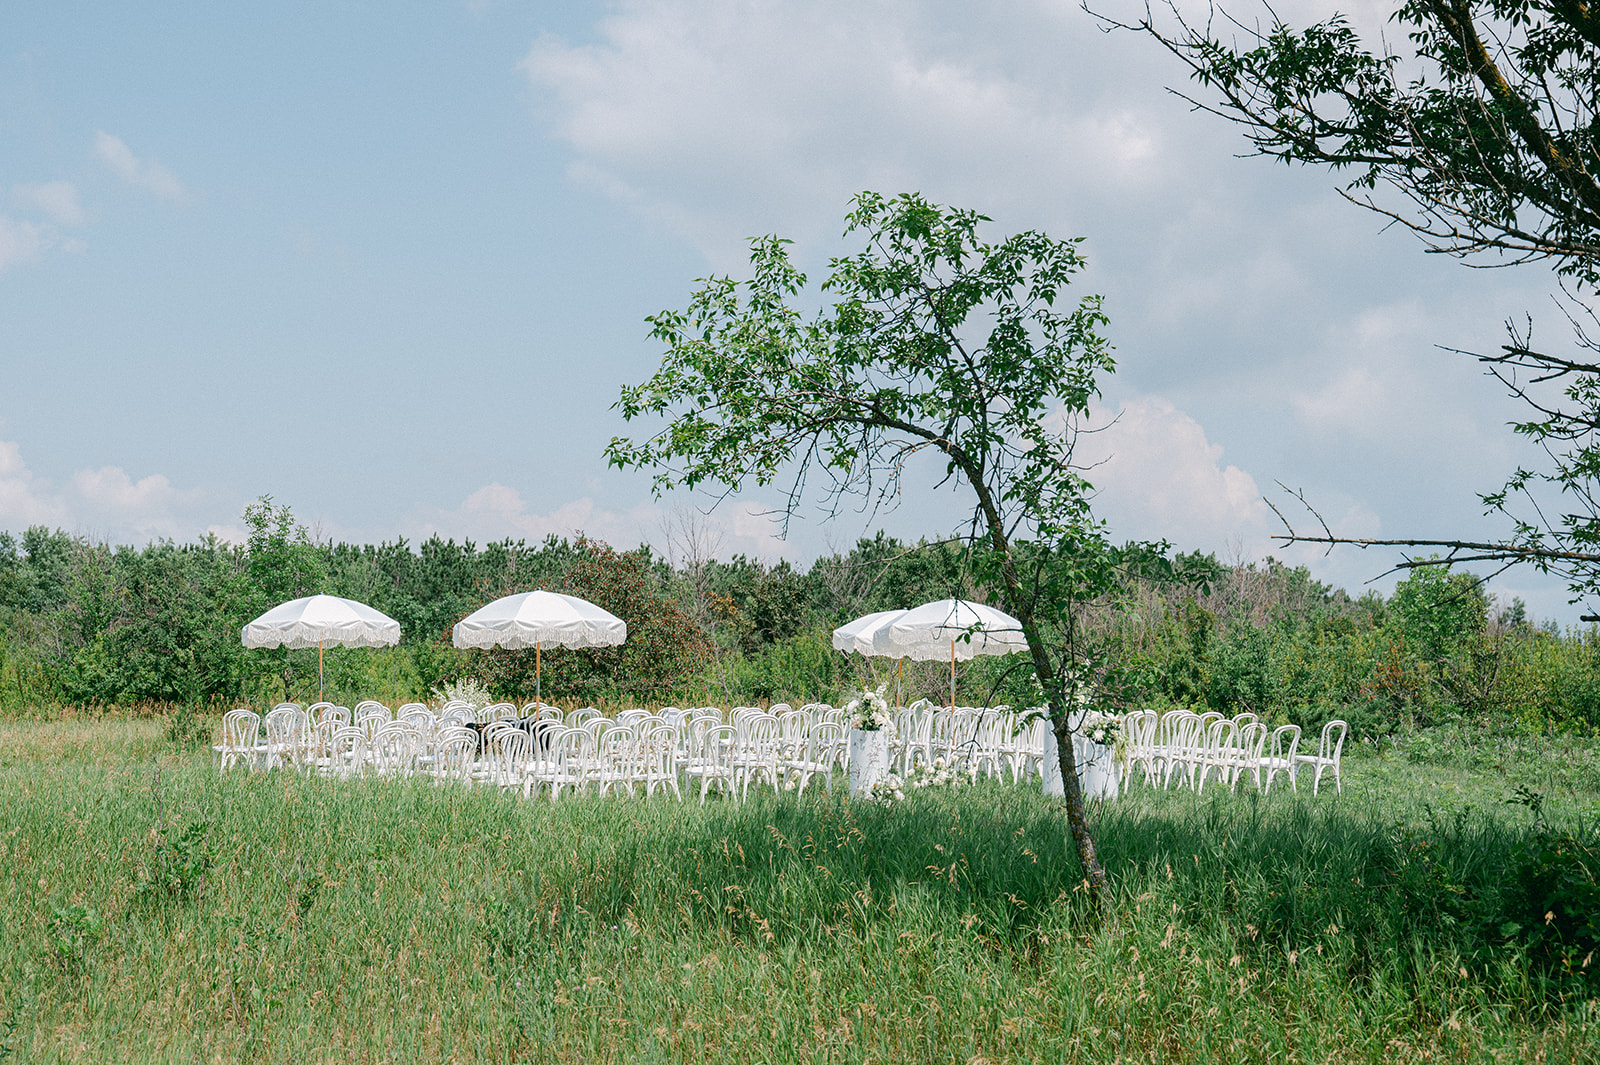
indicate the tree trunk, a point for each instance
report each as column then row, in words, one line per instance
column 1077, row 818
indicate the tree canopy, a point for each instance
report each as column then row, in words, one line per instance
column 1488, row 125
column 938, row 342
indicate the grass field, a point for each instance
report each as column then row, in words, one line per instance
column 158, row 913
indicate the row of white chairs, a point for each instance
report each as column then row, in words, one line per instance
column 781, row 747
column 550, row 750
column 1193, row 749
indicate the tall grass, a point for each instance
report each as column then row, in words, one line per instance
column 157, row 912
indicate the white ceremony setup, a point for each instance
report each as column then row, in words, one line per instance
column 541, row 749
column 879, row 750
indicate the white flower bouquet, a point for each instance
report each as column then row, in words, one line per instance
column 1104, row 729
column 466, row 690
column 869, row 712
column 887, row 790
column 941, row 774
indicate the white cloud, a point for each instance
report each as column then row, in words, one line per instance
column 111, row 489
column 724, row 119
column 1373, row 377
column 22, row 502
column 104, row 504
column 146, row 174
column 21, row 242
column 1158, row 477
column 56, row 200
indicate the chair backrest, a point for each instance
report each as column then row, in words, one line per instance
column 825, row 743
column 548, row 713
column 339, row 715
column 1285, row 743
column 371, row 705
column 658, row 746
column 568, row 753
column 1252, row 739
column 1186, row 733
column 1331, row 745
column 739, row 713
column 372, row 721
column 394, row 748
column 454, row 752
column 285, row 725
column 1168, row 726
column 508, row 752
column 407, row 708
column 718, row 747
column 1221, row 736
column 498, row 712
column 793, row 726
column 240, row 728
column 450, row 733
column 347, row 749
column 494, row 728
column 618, row 752
column 757, row 734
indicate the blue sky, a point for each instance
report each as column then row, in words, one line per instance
column 390, row 264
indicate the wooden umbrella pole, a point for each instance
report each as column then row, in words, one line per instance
column 538, row 674
column 952, row 674
column 900, row 671
column 319, row 671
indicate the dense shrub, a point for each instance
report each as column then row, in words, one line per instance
column 88, row 625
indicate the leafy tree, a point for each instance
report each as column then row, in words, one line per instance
column 937, row 342
column 35, row 573
column 1439, row 611
column 283, row 562
column 1488, row 126
column 664, row 648
column 159, row 624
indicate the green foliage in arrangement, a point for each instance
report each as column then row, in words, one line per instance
column 388, row 919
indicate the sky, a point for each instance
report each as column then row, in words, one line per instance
column 390, row 264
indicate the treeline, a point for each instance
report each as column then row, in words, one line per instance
column 90, row 626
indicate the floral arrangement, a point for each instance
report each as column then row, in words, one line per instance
column 869, row 711
column 887, row 790
column 942, row 773
column 1081, row 691
column 1101, row 728
column 466, row 690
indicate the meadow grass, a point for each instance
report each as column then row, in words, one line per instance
column 158, row 912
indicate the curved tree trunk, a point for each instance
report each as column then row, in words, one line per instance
column 1077, row 817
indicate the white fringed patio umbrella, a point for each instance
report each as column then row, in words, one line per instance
column 316, row 620
column 533, row 619
column 860, row 634
column 864, row 634
column 955, row 627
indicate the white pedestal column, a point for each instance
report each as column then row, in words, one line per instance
column 1098, row 777
column 869, row 759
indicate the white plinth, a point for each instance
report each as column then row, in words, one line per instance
column 1098, row 776
column 869, row 759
